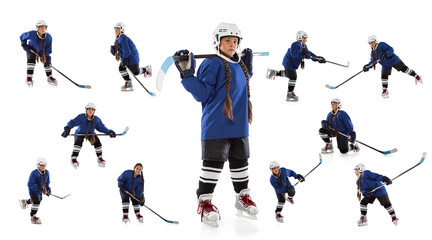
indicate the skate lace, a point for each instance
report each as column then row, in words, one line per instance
column 101, row 160
column 246, row 201
column 206, row 207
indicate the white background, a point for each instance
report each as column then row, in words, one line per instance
column 165, row 130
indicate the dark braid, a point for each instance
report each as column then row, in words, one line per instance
column 43, row 58
column 133, row 179
column 117, row 56
column 246, row 72
column 373, row 58
column 228, row 102
column 92, row 138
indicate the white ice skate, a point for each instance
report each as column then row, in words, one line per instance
column 101, row 162
column 385, row 93
column 127, row 87
column 362, row 221
column 125, row 219
column 23, row 203
column 209, row 212
column 279, row 217
column 29, row 81
column 355, row 147
column 35, row 220
column 395, row 220
column 148, row 72
column 328, row 148
column 140, row 218
column 52, row 81
column 292, row 97
column 271, row 74
column 75, row 163
column 245, row 206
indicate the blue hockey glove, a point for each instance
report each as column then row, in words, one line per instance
column 386, row 180
column 186, row 67
column 366, row 67
column 247, row 58
column 66, row 132
column 300, row 178
column 321, row 59
column 383, row 56
column 112, row 50
column 367, row 193
column 352, row 136
column 325, row 125
column 26, row 47
column 112, row 134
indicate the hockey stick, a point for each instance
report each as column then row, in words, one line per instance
column 59, row 196
column 168, row 221
column 312, row 169
column 369, row 66
column 421, row 161
column 383, row 152
column 347, row 65
column 78, row 85
column 171, row 59
column 151, row 93
column 101, row 134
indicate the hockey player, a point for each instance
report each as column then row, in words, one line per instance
column 38, row 184
column 38, row 41
column 338, row 121
column 125, row 51
column 293, row 58
column 222, row 87
column 384, row 54
column 87, row 123
column 132, row 181
column 366, row 182
column 279, row 180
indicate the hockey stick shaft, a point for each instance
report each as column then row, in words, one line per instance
column 383, row 152
column 142, row 85
column 59, row 196
column 347, row 65
column 101, row 134
column 421, row 161
column 312, row 169
column 180, row 58
column 168, row 221
column 76, row 84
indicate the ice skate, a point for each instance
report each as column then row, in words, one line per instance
column 328, row 148
column 209, row 212
column 291, row 97
column 418, row 79
column 125, row 219
column 279, row 217
column 127, row 87
column 245, row 206
column 362, row 221
column 140, row 218
column 52, row 81
column 35, row 220
column 101, row 162
column 290, row 200
column 385, row 93
column 75, row 163
column 23, row 203
column 395, row 220
column 29, row 81
column 355, row 147
column 271, row 74
column 148, row 71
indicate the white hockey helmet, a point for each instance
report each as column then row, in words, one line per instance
column 273, row 164
column 41, row 23
column 226, row 29
column 360, row 167
column 90, row 105
column 372, row 38
column 120, row 25
column 338, row 101
column 41, row 161
column 300, row 35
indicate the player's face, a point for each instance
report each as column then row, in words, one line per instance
column 42, row 168
column 372, row 44
column 304, row 41
column 42, row 30
column 137, row 170
column 275, row 171
column 357, row 173
column 117, row 31
column 228, row 46
column 90, row 112
column 334, row 106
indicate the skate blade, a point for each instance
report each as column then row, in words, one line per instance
column 327, row 152
column 102, row 165
column 244, row 214
column 214, row 224
column 279, row 220
column 292, row 100
column 75, row 165
column 127, row 90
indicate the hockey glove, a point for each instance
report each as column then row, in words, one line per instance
column 325, row 125
column 186, row 67
column 352, row 136
column 48, row 191
column 66, row 132
column 26, row 47
column 386, row 180
column 125, row 62
column 300, row 178
column 112, row 134
column 383, row 56
column 142, row 201
column 321, row 59
column 366, row 67
column 247, row 59
column 113, row 52
column 367, row 193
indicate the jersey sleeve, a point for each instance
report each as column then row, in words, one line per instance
column 121, row 180
column 347, row 122
column 48, row 45
column 100, row 126
column 48, row 180
column 126, row 52
column 387, row 49
column 203, row 86
column 74, row 122
column 24, row 37
column 32, row 185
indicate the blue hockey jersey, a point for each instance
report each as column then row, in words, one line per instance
column 343, row 122
column 81, row 121
column 127, row 50
column 284, row 174
column 370, row 181
column 391, row 58
column 37, row 181
column 293, row 56
column 31, row 38
column 125, row 180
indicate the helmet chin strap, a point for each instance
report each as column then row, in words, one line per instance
column 225, row 57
